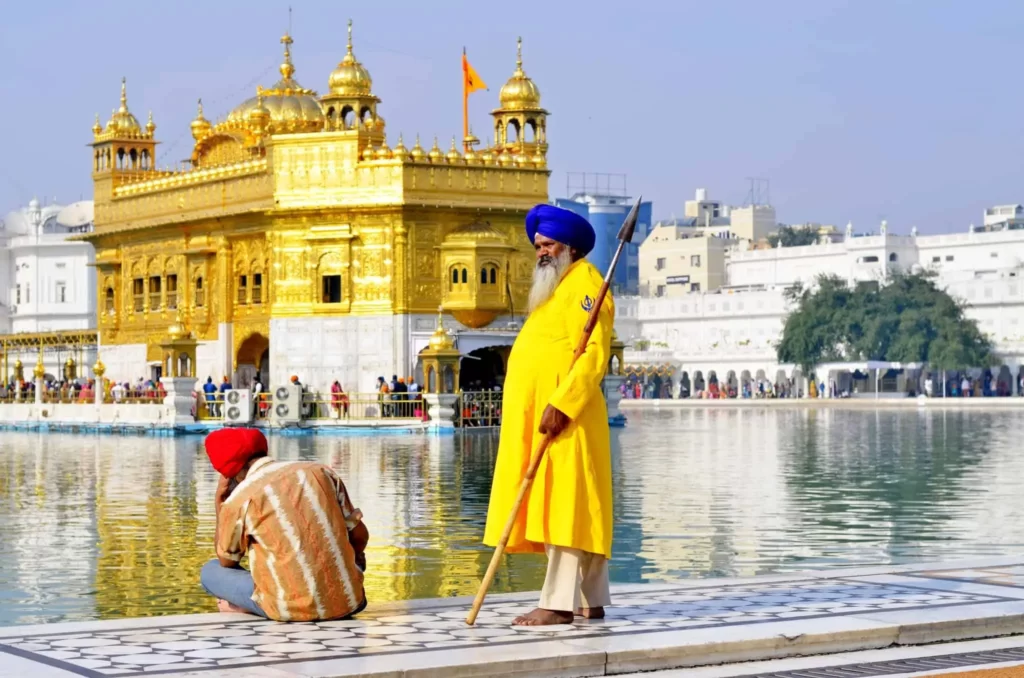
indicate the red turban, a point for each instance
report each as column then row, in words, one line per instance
column 230, row 448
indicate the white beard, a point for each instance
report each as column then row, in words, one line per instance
column 546, row 279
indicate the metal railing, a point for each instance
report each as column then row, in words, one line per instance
column 362, row 406
column 478, row 409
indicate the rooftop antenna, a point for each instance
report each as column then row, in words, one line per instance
column 759, row 193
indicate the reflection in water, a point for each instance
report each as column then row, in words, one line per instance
column 105, row 526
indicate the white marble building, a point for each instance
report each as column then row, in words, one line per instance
column 48, row 281
column 733, row 330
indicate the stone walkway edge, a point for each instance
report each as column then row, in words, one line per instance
column 651, row 627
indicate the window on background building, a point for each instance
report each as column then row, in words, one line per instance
column 257, row 288
column 28, row 293
column 994, row 255
column 893, row 257
column 331, row 285
column 949, row 257
column 871, row 259
column 695, row 287
column 936, row 260
column 243, row 289
column 200, row 294
column 62, row 293
column 660, row 264
column 138, row 294
column 695, row 260
column 108, row 300
column 154, row 293
column 17, row 294
column 659, row 291
column 172, row 292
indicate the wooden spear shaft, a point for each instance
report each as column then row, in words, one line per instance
column 625, row 235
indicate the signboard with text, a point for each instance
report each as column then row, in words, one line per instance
column 677, row 279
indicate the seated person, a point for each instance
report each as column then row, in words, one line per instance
column 306, row 543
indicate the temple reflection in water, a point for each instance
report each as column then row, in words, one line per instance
column 108, row 526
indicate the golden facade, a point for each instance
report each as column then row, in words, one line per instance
column 296, row 206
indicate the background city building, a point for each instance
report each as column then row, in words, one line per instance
column 732, row 323
column 48, row 280
column 604, row 201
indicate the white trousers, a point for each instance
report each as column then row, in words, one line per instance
column 574, row 579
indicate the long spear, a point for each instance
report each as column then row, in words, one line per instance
column 625, row 235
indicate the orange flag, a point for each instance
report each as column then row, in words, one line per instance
column 471, row 82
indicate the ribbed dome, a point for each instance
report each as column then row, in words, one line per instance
column 350, row 78
column 519, row 91
column 122, row 121
column 292, row 107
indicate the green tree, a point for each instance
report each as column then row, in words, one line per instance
column 906, row 319
column 793, row 236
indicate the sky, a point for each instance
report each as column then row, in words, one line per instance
column 856, row 111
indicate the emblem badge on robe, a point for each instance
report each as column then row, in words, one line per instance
column 587, row 303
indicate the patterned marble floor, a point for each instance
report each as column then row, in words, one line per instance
column 130, row 651
column 1008, row 575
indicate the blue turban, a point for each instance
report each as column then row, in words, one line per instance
column 562, row 225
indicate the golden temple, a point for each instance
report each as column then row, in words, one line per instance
column 298, row 240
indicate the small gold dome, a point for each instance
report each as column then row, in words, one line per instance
column 150, row 125
column 122, row 121
column 538, row 159
column 259, row 115
column 519, row 91
column 383, row 151
column 440, row 340
column 471, row 157
column 521, row 159
column 505, row 159
column 369, row 152
column 487, row 156
column 99, row 369
column 176, row 331
column 200, row 126
column 453, row 153
column 400, row 152
column 435, row 154
column 350, row 78
column 417, row 153
column 97, row 128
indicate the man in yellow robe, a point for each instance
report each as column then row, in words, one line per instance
column 568, row 511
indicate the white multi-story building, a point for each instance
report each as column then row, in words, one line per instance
column 733, row 330
column 48, row 281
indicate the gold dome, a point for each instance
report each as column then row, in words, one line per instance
column 97, row 128
column 292, row 107
column 383, row 152
column 453, row 153
column 200, row 126
column 440, row 340
column 177, row 330
column 350, row 78
column 519, row 91
column 150, row 125
column 400, row 152
column 259, row 115
column 417, row 153
column 122, row 121
column 435, row 154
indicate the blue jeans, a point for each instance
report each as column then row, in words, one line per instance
column 233, row 584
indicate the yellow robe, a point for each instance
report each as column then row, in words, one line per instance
column 570, row 503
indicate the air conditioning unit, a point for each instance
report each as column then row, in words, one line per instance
column 287, row 405
column 237, row 406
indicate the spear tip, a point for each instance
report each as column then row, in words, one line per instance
column 629, row 224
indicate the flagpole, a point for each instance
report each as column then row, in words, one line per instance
column 465, row 104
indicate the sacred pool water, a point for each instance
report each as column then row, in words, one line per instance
column 107, row 526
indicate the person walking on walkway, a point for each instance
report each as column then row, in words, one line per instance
column 568, row 512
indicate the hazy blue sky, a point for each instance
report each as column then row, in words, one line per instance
column 860, row 110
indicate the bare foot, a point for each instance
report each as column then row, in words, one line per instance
column 591, row 612
column 541, row 617
column 225, row 606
